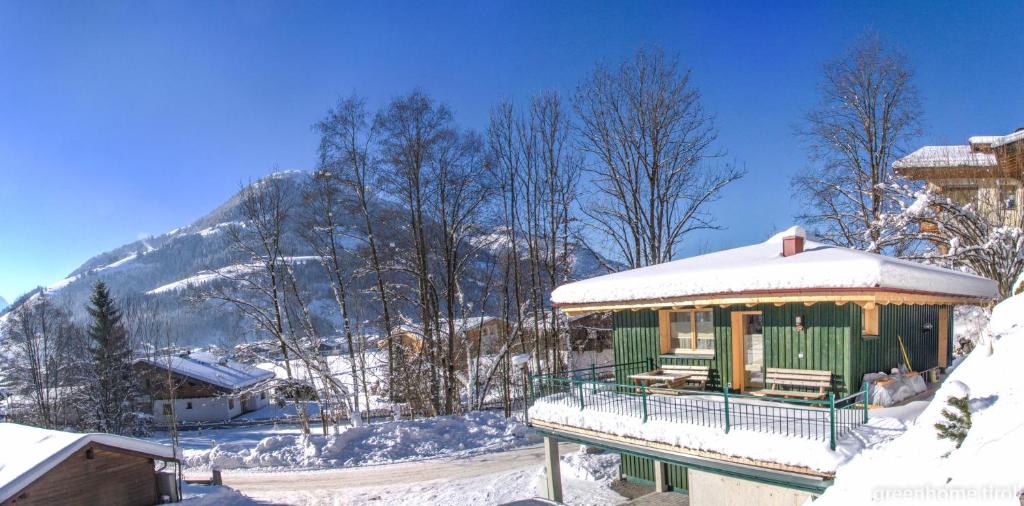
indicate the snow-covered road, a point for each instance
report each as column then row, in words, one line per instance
column 492, row 478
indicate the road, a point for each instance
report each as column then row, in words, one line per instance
column 481, row 479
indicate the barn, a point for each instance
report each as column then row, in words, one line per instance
column 40, row 466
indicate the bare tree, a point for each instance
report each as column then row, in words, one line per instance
column 649, row 141
column 41, row 359
column 869, row 109
column 412, row 127
column 346, row 140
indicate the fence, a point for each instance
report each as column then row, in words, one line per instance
column 598, row 388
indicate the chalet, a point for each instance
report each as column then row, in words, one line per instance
column 205, row 388
column 43, row 467
column 488, row 331
column 987, row 172
column 741, row 376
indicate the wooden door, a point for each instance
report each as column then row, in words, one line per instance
column 739, row 362
column 943, row 334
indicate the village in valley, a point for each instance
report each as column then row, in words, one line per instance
column 620, row 265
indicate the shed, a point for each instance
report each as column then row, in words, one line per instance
column 40, row 466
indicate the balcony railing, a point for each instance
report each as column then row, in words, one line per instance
column 601, row 389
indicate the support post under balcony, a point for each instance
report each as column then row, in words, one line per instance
column 554, row 471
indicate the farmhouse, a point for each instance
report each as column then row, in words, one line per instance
column 39, row 466
column 987, row 172
column 204, row 388
column 743, row 375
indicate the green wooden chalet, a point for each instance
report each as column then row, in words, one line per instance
column 789, row 311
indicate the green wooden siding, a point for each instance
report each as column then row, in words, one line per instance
column 882, row 353
column 642, row 468
column 824, row 342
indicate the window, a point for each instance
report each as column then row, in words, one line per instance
column 962, row 194
column 689, row 331
column 1008, row 197
column 231, row 403
column 167, row 410
column 188, row 405
column 263, row 395
column 869, row 321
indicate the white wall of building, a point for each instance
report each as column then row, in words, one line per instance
column 203, row 409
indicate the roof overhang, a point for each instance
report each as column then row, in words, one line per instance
column 866, row 297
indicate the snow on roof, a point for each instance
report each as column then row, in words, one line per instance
column 29, row 452
column 946, row 156
column 206, row 367
column 1006, row 139
column 762, row 268
column 984, row 139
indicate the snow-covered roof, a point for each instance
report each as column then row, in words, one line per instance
column 762, row 268
column 946, row 156
column 29, row 452
column 1006, row 139
column 206, row 367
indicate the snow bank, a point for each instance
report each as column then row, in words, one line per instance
column 919, row 468
column 372, row 444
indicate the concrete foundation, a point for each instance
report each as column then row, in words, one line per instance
column 707, row 489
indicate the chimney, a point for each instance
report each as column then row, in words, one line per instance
column 792, row 245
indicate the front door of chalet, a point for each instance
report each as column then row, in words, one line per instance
column 747, row 350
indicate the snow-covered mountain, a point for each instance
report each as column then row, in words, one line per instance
column 159, row 270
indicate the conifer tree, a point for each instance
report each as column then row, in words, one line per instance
column 111, row 386
column 957, row 422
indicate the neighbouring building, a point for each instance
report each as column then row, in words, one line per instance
column 205, row 388
column 743, row 375
column 46, row 467
column 486, row 331
column 986, row 172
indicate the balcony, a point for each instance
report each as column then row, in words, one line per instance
column 803, row 436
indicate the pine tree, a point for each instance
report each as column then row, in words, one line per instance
column 111, row 385
column 958, row 422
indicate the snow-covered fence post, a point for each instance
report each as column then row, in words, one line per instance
column 866, row 397
column 832, row 419
column 725, row 398
column 643, row 402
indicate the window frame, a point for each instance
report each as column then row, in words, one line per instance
column 669, row 341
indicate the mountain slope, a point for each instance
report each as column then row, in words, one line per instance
column 159, row 271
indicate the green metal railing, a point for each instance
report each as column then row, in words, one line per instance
column 596, row 388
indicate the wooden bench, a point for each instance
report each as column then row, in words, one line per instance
column 780, row 383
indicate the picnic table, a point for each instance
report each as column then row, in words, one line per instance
column 662, row 379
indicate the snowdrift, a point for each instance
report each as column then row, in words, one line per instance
column 919, row 468
column 372, row 444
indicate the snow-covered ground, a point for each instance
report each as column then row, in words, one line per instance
column 919, row 468
column 284, row 447
column 498, row 478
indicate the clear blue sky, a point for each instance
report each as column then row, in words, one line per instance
column 121, row 119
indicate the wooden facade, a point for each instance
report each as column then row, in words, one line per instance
column 94, row 475
column 832, row 339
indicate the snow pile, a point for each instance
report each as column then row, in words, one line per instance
column 757, row 444
column 597, row 467
column 372, row 444
column 919, row 468
column 761, row 267
column 889, row 389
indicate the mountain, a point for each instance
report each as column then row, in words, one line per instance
column 3, row 304
column 158, row 271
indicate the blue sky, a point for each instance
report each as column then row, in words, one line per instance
column 126, row 119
